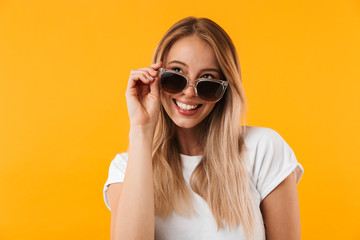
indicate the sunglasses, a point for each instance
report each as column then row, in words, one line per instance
column 209, row 90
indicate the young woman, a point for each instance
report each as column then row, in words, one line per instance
column 193, row 170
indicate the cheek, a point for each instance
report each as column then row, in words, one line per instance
column 167, row 98
column 210, row 107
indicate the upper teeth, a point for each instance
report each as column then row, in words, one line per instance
column 185, row 106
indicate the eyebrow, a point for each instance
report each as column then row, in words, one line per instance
column 205, row 69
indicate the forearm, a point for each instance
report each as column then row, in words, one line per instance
column 134, row 216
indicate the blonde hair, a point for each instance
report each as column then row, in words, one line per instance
column 220, row 178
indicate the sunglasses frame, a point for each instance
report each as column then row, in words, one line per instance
column 223, row 83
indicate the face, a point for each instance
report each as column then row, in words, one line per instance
column 194, row 58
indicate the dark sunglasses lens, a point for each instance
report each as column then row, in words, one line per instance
column 209, row 91
column 172, row 82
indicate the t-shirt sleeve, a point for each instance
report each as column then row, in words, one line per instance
column 116, row 174
column 274, row 161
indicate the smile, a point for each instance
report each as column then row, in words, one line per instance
column 186, row 107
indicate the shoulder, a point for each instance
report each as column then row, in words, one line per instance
column 121, row 156
column 266, row 151
column 269, row 159
column 119, row 163
column 116, row 174
column 261, row 137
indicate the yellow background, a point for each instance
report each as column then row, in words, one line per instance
column 64, row 66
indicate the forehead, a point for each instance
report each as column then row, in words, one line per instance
column 194, row 52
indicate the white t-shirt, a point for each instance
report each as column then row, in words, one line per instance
column 270, row 161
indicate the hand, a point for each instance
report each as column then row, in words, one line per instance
column 143, row 96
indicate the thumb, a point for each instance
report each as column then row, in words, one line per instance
column 155, row 87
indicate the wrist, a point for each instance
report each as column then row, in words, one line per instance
column 142, row 131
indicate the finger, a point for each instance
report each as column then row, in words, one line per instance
column 145, row 78
column 144, row 90
column 146, row 71
column 150, row 71
column 136, row 76
column 157, row 65
column 142, row 75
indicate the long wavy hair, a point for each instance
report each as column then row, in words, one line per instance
column 220, row 178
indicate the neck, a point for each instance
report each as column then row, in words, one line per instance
column 189, row 142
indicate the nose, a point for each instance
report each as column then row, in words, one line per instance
column 190, row 91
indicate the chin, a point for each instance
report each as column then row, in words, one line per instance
column 185, row 125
